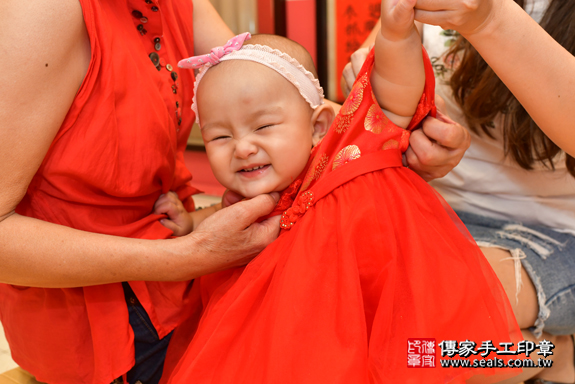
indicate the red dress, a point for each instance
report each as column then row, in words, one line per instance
column 119, row 147
column 369, row 257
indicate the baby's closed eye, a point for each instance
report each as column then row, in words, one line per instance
column 265, row 126
column 219, row 138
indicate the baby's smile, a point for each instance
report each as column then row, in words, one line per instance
column 254, row 171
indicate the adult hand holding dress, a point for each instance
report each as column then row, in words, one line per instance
column 435, row 149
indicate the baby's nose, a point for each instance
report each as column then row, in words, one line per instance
column 245, row 148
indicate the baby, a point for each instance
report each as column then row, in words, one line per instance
column 368, row 251
column 262, row 142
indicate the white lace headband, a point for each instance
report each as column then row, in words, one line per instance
column 305, row 82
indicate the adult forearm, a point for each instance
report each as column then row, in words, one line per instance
column 539, row 71
column 209, row 29
column 41, row 254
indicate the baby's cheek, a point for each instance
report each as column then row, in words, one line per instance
column 219, row 161
column 223, row 175
column 291, row 174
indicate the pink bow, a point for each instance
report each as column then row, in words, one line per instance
column 215, row 54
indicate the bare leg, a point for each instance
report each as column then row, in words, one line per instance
column 526, row 309
column 524, row 303
column 562, row 361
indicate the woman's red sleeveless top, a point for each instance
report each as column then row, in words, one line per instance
column 120, row 146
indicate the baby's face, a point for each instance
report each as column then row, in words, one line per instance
column 256, row 126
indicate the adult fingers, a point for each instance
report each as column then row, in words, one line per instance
column 352, row 68
column 358, row 58
column 266, row 231
column 435, row 5
column 446, row 132
column 231, row 236
column 347, row 79
column 343, row 86
column 230, row 198
column 465, row 16
column 404, row 10
column 427, row 152
column 412, row 161
column 440, row 18
column 433, row 153
column 248, row 211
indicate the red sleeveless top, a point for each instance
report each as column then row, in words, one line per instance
column 120, row 146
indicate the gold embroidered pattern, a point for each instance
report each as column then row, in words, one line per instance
column 299, row 207
column 318, row 165
column 342, row 123
column 349, row 153
column 390, row 144
column 375, row 120
column 404, row 141
column 355, row 97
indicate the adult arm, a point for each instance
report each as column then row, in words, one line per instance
column 434, row 150
column 45, row 50
column 537, row 70
column 209, row 29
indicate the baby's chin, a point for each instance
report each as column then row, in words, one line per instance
column 250, row 193
column 254, row 193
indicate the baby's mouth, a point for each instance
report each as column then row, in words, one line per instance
column 254, row 169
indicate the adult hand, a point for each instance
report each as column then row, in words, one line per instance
column 438, row 146
column 230, row 198
column 465, row 16
column 231, row 237
column 352, row 68
column 397, row 19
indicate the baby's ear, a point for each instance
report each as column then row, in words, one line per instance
column 321, row 120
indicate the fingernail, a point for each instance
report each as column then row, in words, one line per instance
column 276, row 196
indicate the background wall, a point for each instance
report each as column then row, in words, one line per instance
column 239, row 15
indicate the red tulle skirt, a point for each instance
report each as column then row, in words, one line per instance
column 379, row 260
column 370, row 257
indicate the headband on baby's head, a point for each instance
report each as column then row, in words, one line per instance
column 305, row 82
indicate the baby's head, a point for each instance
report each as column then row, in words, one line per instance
column 257, row 127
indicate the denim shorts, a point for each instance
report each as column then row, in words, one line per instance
column 547, row 256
